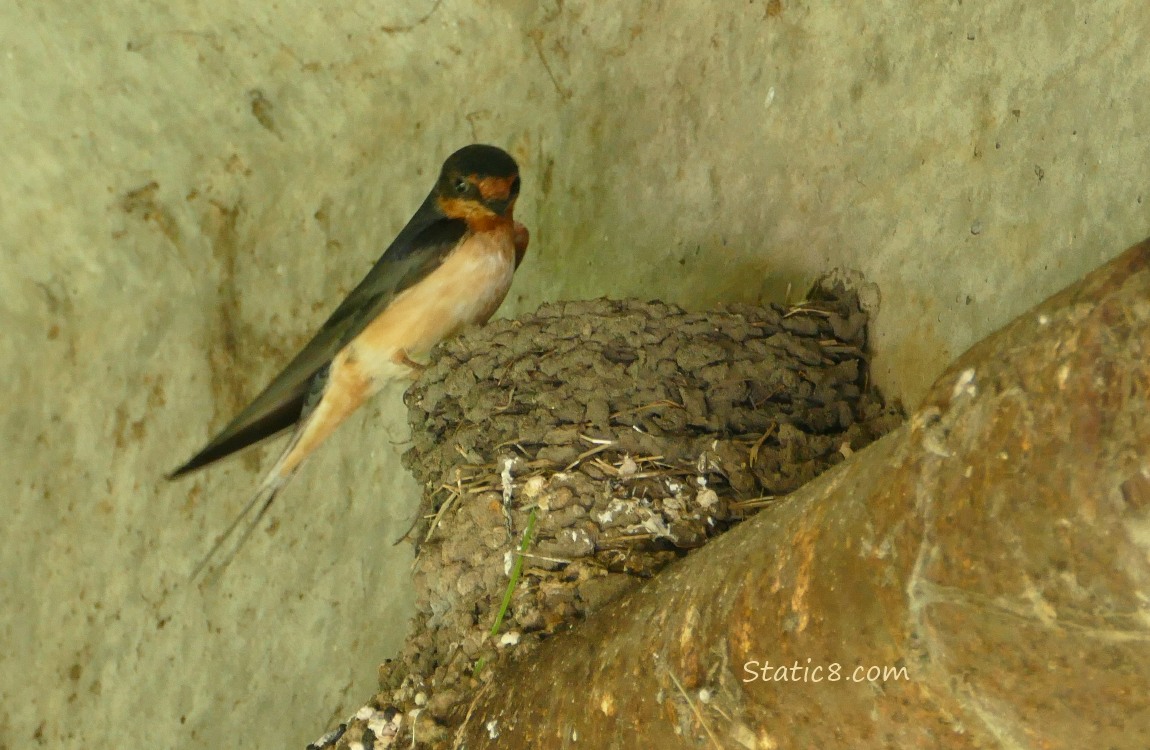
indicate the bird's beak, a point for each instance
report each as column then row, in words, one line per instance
column 500, row 206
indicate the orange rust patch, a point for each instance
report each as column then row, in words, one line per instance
column 742, row 637
column 690, row 670
column 805, row 541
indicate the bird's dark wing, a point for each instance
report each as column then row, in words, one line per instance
column 417, row 251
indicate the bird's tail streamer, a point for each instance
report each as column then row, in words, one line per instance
column 270, row 487
column 263, row 497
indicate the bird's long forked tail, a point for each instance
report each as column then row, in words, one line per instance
column 263, row 497
column 283, row 470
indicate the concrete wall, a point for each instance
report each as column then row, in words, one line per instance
column 188, row 190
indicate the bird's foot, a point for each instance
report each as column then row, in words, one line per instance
column 416, row 368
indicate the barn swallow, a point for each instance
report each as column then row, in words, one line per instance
column 449, row 267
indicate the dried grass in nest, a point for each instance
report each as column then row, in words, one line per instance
column 627, row 433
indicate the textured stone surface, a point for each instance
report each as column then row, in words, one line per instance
column 190, row 189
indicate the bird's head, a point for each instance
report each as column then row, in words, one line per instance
column 478, row 184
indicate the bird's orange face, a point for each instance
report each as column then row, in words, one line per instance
column 479, row 184
column 483, row 199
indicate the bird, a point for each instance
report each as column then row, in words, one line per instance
column 449, row 267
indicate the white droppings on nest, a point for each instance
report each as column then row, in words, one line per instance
column 492, row 728
column 534, row 486
column 507, row 481
column 412, row 718
column 655, row 525
column 581, row 538
column 674, row 506
column 617, row 505
column 628, row 467
column 707, row 498
column 385, row 727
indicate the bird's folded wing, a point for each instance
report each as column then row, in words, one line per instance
column 418, row 250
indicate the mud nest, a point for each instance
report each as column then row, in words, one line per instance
column 604, row 439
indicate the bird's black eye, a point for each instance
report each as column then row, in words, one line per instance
column 462, row 186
